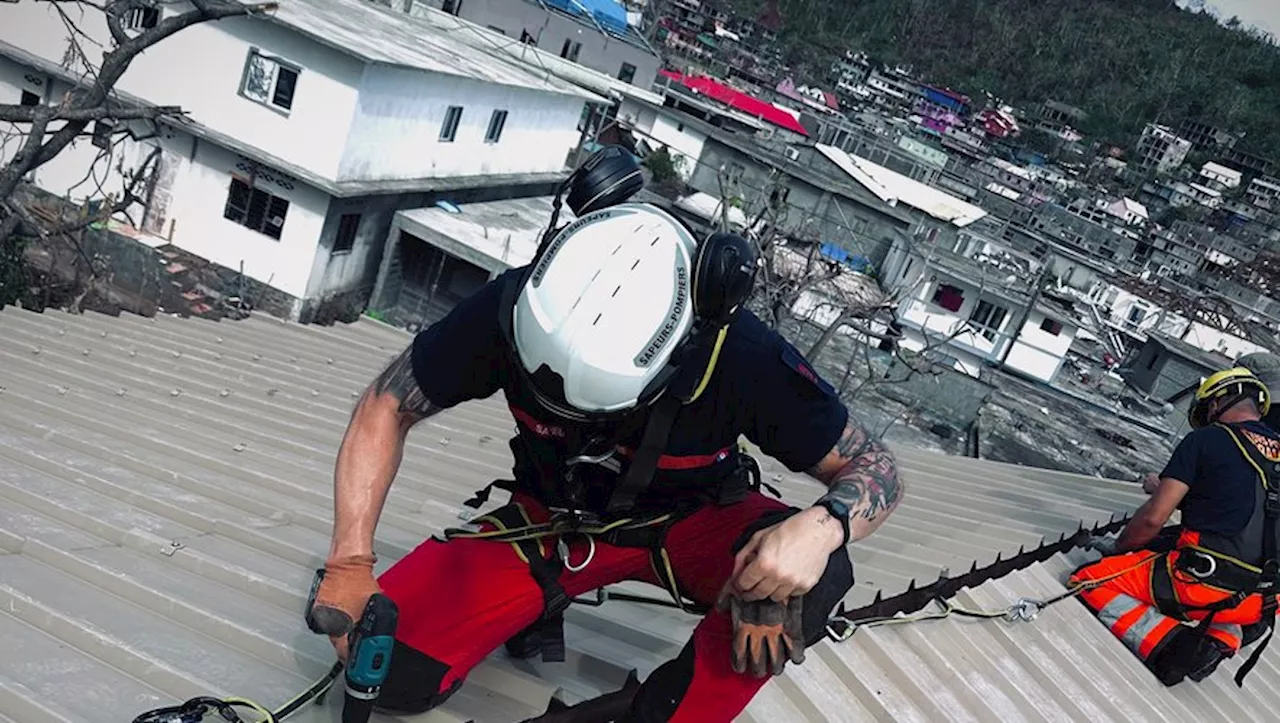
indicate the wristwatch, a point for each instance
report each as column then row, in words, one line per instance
column 838, row 510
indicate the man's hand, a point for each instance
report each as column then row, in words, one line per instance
column 787, row 559
column 1104, row 544
column 766, row 634
column 345, row 590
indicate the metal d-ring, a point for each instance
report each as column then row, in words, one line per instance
column 562, row 547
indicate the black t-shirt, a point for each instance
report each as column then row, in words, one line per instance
column 762, row 388
column 1223, row 483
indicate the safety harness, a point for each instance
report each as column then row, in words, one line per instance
column 1219, row 569
column 512, row 524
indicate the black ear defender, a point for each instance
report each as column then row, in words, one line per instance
column 724, row 275
column 610, row 176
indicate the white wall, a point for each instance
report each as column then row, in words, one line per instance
column 200, row 69
column 920, row 311
column 683, row 141
column 396, row 131
column 1036, row 352
column 199, row 197
column 1211, row 339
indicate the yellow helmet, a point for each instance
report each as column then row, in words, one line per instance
column 1231, row 385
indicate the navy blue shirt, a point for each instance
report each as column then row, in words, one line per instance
column 1223, row 483
column 762, row 388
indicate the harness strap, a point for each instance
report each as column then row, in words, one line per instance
column 662, row 418
column 545, row 567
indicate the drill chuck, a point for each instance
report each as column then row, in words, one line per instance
column 369, row 658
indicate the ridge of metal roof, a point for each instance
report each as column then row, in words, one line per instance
column 165, row 494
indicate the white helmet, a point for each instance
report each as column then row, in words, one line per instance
column 603, row 309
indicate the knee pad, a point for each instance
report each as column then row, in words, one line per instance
column 413, row 683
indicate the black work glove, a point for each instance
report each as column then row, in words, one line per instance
column 766, row 634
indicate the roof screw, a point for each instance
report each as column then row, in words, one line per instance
column 85, row 352
column 224, row 393
column 2, row 388
column 256, row 357
column 485, row 439
column 293, row 359
column 172, row 548
column 329, row 360
column 176, row 354
column 272, row 392
column 62, row 332
column 217, row 355
column 133, row 352
column 104, row 335
column 63, row 390
column 175, row 392
column 315, row 392
column 121, row 392
column 240, row 447
column 219, row 340
column 35, row 350
column 355, row 395
column 444, row 441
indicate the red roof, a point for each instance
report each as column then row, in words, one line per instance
column 737, row 99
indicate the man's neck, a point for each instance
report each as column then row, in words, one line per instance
column 1238, row 416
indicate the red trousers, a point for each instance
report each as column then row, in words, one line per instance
column 462, row 599
column 1127, row 603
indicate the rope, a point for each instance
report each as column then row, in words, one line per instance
column 840, row 627
column 195, row 709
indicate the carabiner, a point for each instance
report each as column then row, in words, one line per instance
column 562, row 548
column 1025, row 610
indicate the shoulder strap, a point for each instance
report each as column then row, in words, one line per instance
column 1269, row 476
column 662, row 417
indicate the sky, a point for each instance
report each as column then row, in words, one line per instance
column 1265, row 14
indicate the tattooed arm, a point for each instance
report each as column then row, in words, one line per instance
column 861, row 473
column 371, row 452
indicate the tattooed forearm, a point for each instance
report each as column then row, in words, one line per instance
column 398, row 381
column 861, row 473
column 869, row 484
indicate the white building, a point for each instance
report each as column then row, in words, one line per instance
column 307, row 129
column 1264, row 192
column 1129, row 211
column 1219, row 177
column 967, row 301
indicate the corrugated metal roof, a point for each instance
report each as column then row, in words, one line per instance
column 892, row 187
column 166, row 492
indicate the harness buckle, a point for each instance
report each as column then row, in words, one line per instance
column 1190, row 565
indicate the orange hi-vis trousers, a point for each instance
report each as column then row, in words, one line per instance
column 1141, row 602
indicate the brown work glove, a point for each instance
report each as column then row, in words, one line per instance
column 765, row 634
column 345, row 590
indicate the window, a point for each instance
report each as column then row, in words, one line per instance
column 29, row 98
column 497, row 29
column 269, row 81
column 453, row 7
column 452, row 118
column 1050, row 326
column 570, row 50
column 141, row 18
column 948, row 297
column 527, row 39
column 628, row 73
column 988, row 317
column 255, row 208
column 496, row 123
column 348, row 225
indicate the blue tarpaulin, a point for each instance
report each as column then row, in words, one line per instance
column 608, row 13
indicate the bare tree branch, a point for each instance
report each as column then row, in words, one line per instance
column 28, row 114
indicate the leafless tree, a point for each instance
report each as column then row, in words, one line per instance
column 32, row 136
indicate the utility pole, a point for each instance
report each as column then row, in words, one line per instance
column 1026, row 311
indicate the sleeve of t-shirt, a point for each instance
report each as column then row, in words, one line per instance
column 1184, row 463
column 462, row 356
column 795, row 416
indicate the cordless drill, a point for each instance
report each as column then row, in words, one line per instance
column 369, row 658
